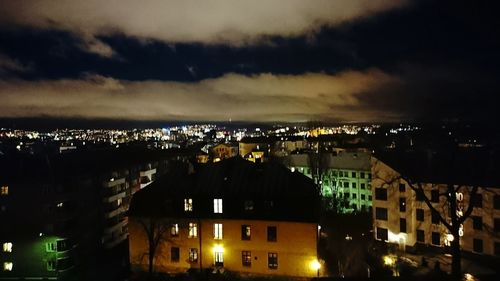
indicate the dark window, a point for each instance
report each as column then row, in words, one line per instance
column 402, row 187
column 362, row 186
column 64, row 263
column 381, row 213
column 435, row 217
column 402, row 204
column 248, row 205
column 477, row 222
column 435, row 196
column 245, row 232
column 63, row 245
column 381, row 194
column 353, row 174
column 272, row 260
column 353, row 185
column 346, row 184
column 477, row 245
column 496, row 202
column 436, row 238
column 362, row 175
column 272, row 233
column 363, row 197
column 478, row 200
column 382, row 234
column 346, row 195
column 496, row 225
column 246, row 258
column 370, row 197
column 402, row 225
column 496, row 248
column 420, row 195
column 354, row 196
column 174, row 254
column 420, row 215
column 420, row 236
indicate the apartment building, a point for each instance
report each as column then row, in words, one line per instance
column 401, row 216
column 224, row 150
column 231, row 215
column 342, row 175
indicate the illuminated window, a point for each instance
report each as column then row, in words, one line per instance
column 193, row 230
column 246, row 258
column 188, row 205
column 7, row 266
column 5, row 190
column 7, row 247
column 50, row 247
column 219, row 257
column 175, row 254
column 272, row 233
column 217, row 230
column 245, row 232
column 272, row 260
column 217, row 206
column 174, row 230
column 51, row 265
column 193, row 255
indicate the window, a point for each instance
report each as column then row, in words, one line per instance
column 219, row 257
column 477, row 222
column 436, row 238
column 346, row 195
column 381, row 213
column 7, row 266
column 7, row 247
column 217, row 230
column 369, row 197
column 245, row 232
column 4, row 191
column 435, row 196
column 64, row 263
column 353, row 185
column 193, row 255
column 496, row 249
column 268, row 204
column 188, row 205
column 477, row 245
column 363, row 197
column 362, row 175
column 382, row 234
column 174, row 230
column 272, row 234
column 496, row 202
column 193, row 230
column 353, row 174
column 402, row 225
column 248, row 205
column 496, row 225
column 478, row 200
column 381, row 194
column 346, row 184
column 363, row 186
column 420, row 195
column 217, row 206
column 420, row 215
column 63, row 245
column 272, row 260
column 402, row 187
column 402, row 204
column 51, row 265
column 246, row 258
column 435, row 217
column 50, row 247
column 174, row 254
column 354, row 196
column 420, row 236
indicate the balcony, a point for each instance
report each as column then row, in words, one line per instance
column 111, row 198
column 114, row 212
column 147, row 172
column 113, row 182
column 110, row 243
column 117, row 226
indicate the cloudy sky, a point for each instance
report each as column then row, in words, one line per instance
column 262, row 60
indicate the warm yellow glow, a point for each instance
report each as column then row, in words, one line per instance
column 5, row 190
column 315, row 265
column 389, row 260
column 7, row 266
column 7, row 247
column 450, row 237
column 218, row 249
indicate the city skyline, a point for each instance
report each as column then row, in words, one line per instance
column 332, row 61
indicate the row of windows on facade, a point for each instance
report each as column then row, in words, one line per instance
column 248, row 205
column 345, row 184
column 477, row 244
column 381, row 194
column 52, row 265
column 347, row 195
column 58, row 246
column 336, row 173
column 246, row 231
column 246, row 257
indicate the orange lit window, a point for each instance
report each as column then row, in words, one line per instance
column 5, row 190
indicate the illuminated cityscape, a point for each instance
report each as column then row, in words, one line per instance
column 249, row 140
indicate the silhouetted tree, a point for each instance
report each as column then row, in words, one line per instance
column 156, row 230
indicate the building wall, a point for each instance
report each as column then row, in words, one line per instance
column 292, row 260
column 387, row 178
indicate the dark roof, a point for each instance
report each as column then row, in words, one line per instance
column 462, row 166
column 235, row 180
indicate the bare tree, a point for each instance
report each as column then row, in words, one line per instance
column 156, row 230
column 450, row 216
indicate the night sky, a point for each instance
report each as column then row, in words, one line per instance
column 269, row 60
